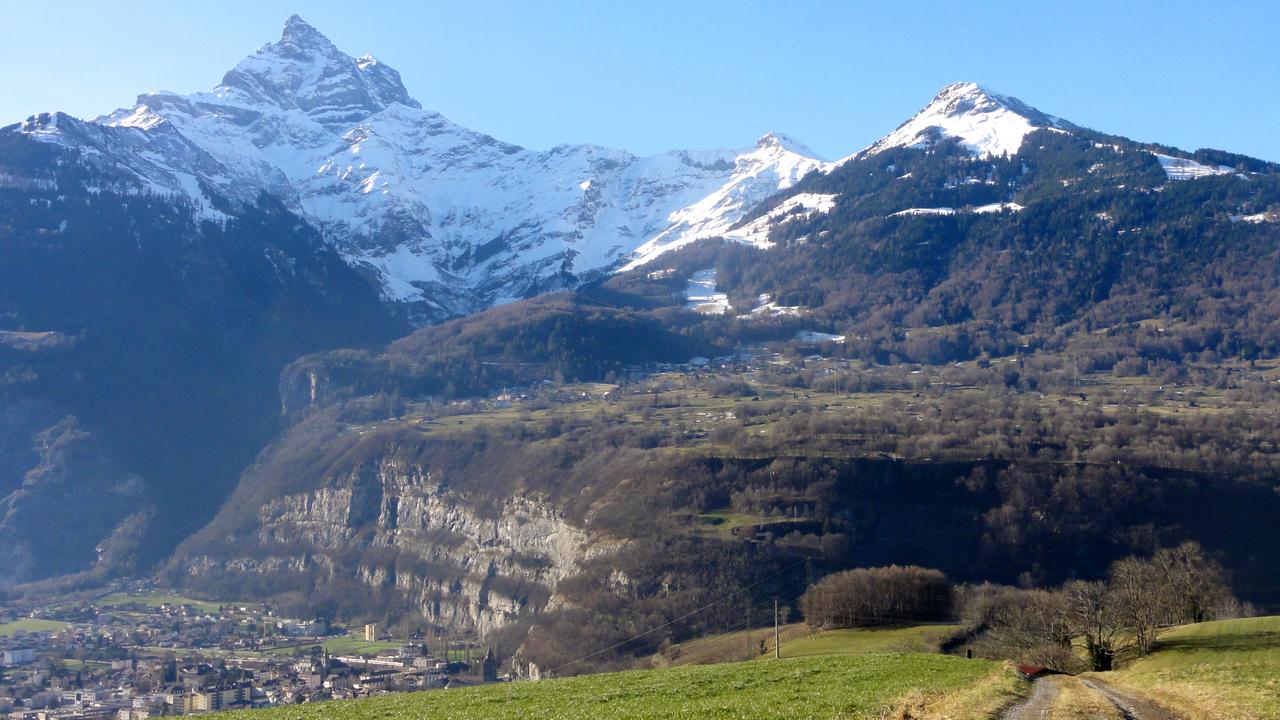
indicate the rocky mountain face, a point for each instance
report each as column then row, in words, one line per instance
column 72, row 477
column 447, row 220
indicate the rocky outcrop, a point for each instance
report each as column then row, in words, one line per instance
column 397, row 526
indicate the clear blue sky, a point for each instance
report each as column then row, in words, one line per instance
column 650, row 75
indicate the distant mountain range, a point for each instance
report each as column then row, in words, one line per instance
column 446, row 220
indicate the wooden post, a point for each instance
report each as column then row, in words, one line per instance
column 777, row 644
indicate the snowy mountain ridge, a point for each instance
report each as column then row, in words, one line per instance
column 448, row 220
column 444, row 218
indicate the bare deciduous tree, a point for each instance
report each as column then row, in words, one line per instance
column 878, row 596
column 1090, row 614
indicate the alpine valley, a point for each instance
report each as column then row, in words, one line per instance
column 299, row 339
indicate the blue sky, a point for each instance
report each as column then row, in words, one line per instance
column 654, row 75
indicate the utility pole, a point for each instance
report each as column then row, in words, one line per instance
column 777, row 645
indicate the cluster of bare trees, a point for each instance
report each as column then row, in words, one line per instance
column 878, row 596
column 1122, row 614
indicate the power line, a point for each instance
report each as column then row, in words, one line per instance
column 686, row 616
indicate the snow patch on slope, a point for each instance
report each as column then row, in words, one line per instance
column 765, row 306
column 701, row 295
column 924, row 211
column 775, row 163
column 1177, row 168
column 980, row 210
column 997, row 208
column 813, row 336
column 756, row 232
column 1257, row 217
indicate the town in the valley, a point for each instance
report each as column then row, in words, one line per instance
column 138, row 653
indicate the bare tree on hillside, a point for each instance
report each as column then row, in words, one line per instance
column 1090, row 613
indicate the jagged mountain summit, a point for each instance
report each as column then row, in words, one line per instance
column 306, row 71
column 447, row 220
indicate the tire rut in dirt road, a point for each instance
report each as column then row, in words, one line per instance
column 1133, row 708
column 1035, row 707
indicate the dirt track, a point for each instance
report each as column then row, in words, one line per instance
column 1036, row 707
column 1134, row 708
column 1044, row 697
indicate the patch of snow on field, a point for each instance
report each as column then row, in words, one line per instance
column 816, row 337
column 992, row 208
column 1183, row 169
column 701, row 295
column 765, row 306
column 1257, row 217
column 925, row 211
column 998, row 207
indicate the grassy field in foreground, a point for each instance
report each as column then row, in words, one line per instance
column 30, row 625
column 846, row 687
column 1225, row 670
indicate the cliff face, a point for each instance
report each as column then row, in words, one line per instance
column 394, row 525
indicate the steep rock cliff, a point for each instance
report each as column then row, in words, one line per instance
column 393, row 525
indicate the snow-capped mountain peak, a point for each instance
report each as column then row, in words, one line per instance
column 784, row 142
column 985, row 122
column 300, row 33
column 305, row 70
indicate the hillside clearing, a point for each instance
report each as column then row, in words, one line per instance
column 343, row 645
column 156, row 599
column 30, row 625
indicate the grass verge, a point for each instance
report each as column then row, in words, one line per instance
column 1224, row 670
